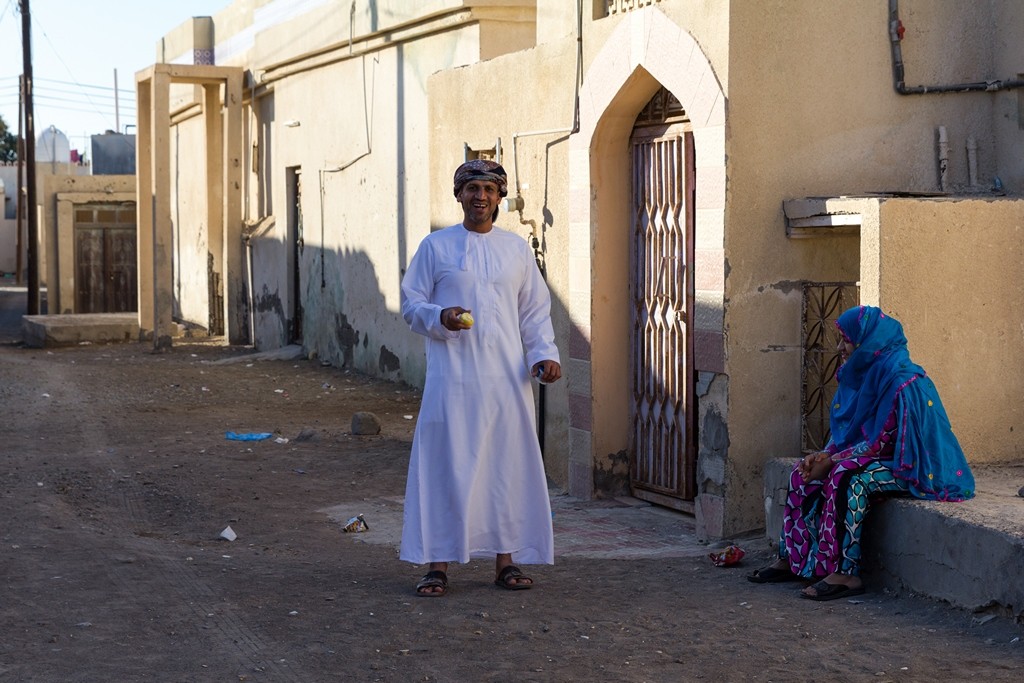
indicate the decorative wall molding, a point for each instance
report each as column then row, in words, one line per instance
column 620, row 6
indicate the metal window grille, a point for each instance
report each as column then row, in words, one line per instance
column 823, row 303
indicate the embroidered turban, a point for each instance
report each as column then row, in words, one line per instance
column 481, row 169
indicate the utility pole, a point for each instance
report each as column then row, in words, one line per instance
column 30, row 162
column 20, row 215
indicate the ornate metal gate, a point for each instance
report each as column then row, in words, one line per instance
column 663, row 467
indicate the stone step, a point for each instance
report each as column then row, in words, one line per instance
column 968, row 554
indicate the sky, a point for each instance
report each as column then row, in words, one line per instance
column 76, row 47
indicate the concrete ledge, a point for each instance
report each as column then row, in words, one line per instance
column 42, row 331
column 969, row 554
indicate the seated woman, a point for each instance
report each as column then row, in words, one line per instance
column 890, row 436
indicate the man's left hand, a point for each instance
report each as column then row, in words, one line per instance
column 547, row 371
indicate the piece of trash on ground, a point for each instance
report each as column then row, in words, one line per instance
column 251, row 436
column 281, row 439
column 228, row 534
column 356, row 524
column 731, row 555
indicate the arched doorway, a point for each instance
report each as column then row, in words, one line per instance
column 633, row 63
column 662, row 403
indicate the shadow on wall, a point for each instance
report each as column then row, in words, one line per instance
column 346, row 320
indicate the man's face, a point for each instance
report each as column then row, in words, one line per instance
column 479, row 199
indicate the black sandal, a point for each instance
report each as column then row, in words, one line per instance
column 823, row 590
column 431, row 580
column 509, row 578
column 771, row 575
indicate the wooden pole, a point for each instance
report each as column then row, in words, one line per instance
column 30, row 163
column 19, row 271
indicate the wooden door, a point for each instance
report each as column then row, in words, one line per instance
column 105, row 259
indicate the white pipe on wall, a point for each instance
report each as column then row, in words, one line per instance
column 972, row 162
column 943, row 158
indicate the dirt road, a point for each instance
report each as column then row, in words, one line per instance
column 117, row 481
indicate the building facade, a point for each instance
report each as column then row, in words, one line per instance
column 705, row 184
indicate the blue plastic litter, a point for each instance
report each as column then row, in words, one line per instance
column 256, row 436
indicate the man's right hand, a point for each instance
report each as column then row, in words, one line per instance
column 450, row 318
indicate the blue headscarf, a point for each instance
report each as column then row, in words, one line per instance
column 876, row 379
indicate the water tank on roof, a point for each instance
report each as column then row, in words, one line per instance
column 53, row 145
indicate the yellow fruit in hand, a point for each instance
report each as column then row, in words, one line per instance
column 466, row 319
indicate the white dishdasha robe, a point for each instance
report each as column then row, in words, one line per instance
column 476, row 483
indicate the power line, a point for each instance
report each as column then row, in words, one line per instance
column 61, row 59
column 14, row 80
column 14, row 88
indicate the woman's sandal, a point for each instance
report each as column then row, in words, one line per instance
column 426, row 588
column 771, row 575
column 510, row 578
column 823, row 590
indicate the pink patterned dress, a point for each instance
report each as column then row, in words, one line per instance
column 824, row 517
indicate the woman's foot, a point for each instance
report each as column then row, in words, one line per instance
column 833, row 587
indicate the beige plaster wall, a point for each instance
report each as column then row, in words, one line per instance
column 357, row 134
column 367, row 152
column 802, row 122
column 630, row 55
column 529, row 108
column 951, row 271
column 189, row 224
column 9, row 225
column 794, row 120
column 263, row 33
column 587, row 264
column 56, row 226
column 1004, row 38
column 556, row 19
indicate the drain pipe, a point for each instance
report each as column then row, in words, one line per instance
column 972, row 162
column 896, row 32
column 943, row 159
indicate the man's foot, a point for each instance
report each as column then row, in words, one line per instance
column 434, row 584
column 511, row 578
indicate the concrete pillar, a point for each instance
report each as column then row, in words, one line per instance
column 144, row 198
column 63, row 300
column 214, row 121
column 160, row 190
column 235, row 299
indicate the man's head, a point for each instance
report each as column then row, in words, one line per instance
column 481, row 169
column 479, row 186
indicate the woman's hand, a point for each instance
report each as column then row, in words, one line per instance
column 815, row 466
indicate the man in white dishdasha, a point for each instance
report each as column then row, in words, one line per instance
column 476, row 483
